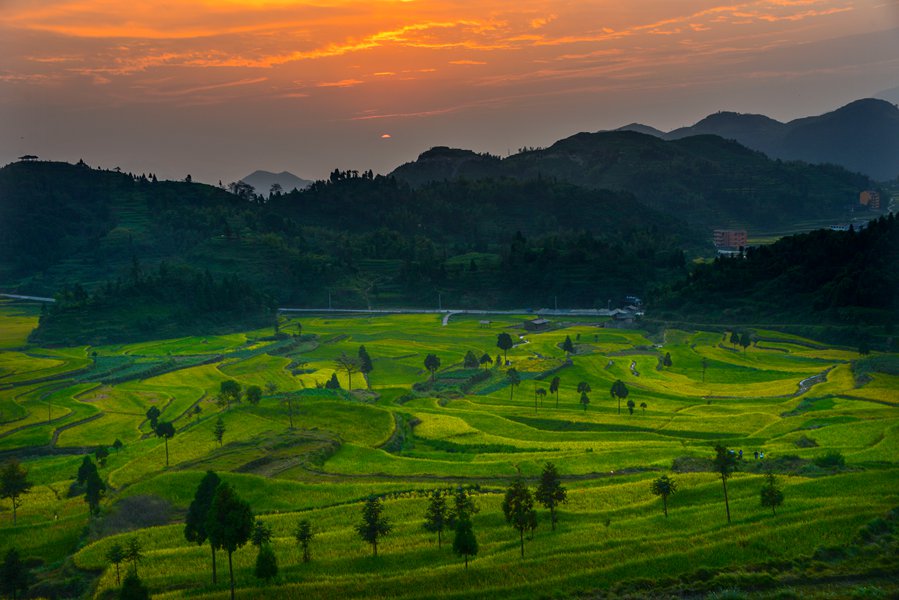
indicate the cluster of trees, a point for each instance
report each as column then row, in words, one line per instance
column 191, row 301
column 838, row 277
column 725, row 463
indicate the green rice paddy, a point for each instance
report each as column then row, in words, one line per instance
column 387, row 439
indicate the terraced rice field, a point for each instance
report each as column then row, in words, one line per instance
column 388, row 439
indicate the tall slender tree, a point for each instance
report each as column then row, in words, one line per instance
column 304, row 536
column 218, row 431
column 465, row 543
column 504, row 343
column 619, row 390
column 134, row 552
column 166, row 431
column 13, row 484
column 513, row 379
column 585, row 400
column 725, row 463
column 518, row 508
column 771, row 494
column 568, row 346
column 348, row 364
column 485, row 360
column 464, row 506
column 432, row 363
column 94, row 488
column 663, row 487
column 437, row 515
column 115, row 555
column 229, row 524
column 365, row 365
column 550, row 493
column 539, row 393
column 198, row 512
column 554, row 388
column 374, row 524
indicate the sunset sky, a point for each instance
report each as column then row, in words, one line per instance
column 221, row 88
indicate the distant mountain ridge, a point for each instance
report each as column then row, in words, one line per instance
column 704, row 179
column 262, row 181
column 862, row 136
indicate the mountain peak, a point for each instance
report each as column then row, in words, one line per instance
column 262, row 181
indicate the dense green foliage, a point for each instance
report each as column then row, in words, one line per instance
column 842, row 277
column 363, row 240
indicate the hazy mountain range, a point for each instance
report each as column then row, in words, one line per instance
column 862, row 136
column 262, row 181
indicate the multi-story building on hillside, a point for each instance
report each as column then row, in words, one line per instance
column 870, row 198
column 730, row 239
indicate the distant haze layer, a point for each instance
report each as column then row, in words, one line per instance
column 217, row 88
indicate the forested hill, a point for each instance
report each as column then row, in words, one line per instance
column 367, row 240
column 705, row 180
column 822, row 276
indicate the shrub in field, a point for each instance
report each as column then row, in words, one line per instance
column 262, row 534
column 585, row 400
column 13, row 574
column 365, row 364
column 153, row 414
column 229, row 391
column 133, row 588
column 832, row 459
column 266, row 563
column 254, row 394
column 374, row 525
